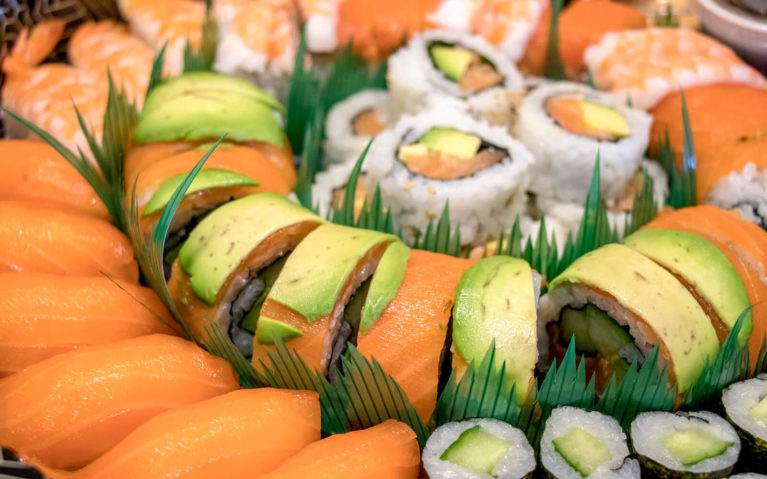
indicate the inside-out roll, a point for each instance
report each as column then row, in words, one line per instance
column 566, row 125
column 443, row 154
column 353, row 122
column 441, row 63
column 329, row 188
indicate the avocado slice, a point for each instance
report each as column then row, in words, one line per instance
column 451, row 141
column 582, row 450
column 652, row 294
column 759, row 412
column 595, row 332
column 203, row 105
column 222, row 239
column 495, row 303
column 316, row 271
column 703, row 267
column 385, row 283
column 270, row 330
column 451, row 61
column 476, row 450
column 205, row 179
column 604, row 118
column 694, row 445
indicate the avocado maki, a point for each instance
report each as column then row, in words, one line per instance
column 579, row 444
column 745, row 404
column 478, row 448
column 695, row 444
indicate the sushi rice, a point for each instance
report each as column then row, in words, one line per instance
column 745, row 191
column 518, row 462
column 342, row 143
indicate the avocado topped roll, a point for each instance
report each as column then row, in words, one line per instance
column 478, row 449
column 495, row 305
column 745, row 404
column 444, row 154
column 441, row 63
column 681, row 445
column 353, row 122
column 706, row 273
column 565, row 125
column 305, row 306
column 618, row 304
column 231, row 258
column 577, row 443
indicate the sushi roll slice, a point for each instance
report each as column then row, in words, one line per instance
column 407, row 315
column 388, row 450
column 441, row 63
column 444, row 154
column 231, row 259
column 495, row 306
column 577, row 443
column 238, row 435
column 329, row 188
column 644, row 65
column 694, row 444
column 566, row 126
column 41, row 239
column 478, row 448
column 618, row 304
column 746, row 407
column 44, row 315
column 352, row 123
column 67, row 410
column 305, row 307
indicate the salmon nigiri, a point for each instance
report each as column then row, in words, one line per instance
column 42, row 315
column 386, row 451
column 241, row 434
column 39, row 239
column 408, row 337
column 742, row 242
column 68, row 410
column 33, row 171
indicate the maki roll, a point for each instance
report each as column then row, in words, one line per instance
column 458, row 66
column 577, row 443
column 478, row 448
column 695, row 444
column 566, row 126
column 329, row 188
column 353, row 122
column 745, row 404
column 618, row 304
column 495, row 306
column 231, row 259
column 444, row 154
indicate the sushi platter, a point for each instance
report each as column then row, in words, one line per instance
column 368, row 239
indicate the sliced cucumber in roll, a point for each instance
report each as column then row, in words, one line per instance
column 745, row 404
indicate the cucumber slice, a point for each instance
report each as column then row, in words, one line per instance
column 595, row 331
column 476, row 450
column 582, row 451
column 694, row 445
column 759, row 412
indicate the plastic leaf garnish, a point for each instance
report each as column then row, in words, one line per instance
column 682, row 189
column 311, row 159
column 761, row 361
column 644, row 209
column 442, row 238
column 640, row 390
column 155, row 77
column 553, row 68
column 730, row 364
column 348, row 76
column 344, row 214
column 202, row 58
column 375, row 216
column 303, row 99
column 374, row 396
column 106, row 176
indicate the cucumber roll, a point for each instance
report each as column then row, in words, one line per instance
column 577, row 443
column 455, row 65
column 444, row 154
column 682, row 445
column 565, row 126
column 353, row 122
column 618, row 304
column 478, row 449
column 748, row 475
column 745, row 405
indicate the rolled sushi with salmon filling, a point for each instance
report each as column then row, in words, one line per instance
column 618, row 304
column 680, row 445
column 353, row 122
column 456, row 65
column 444, row 154
column 231, row 259
column 577, row 443
column 745, row 405
column 566, row 126
column 478, row 448
column 329, row 188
